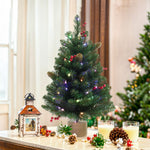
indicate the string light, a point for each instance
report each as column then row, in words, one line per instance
column 77, row 100
column 69, row 74
column 87, row 92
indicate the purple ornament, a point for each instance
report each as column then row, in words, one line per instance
column 59, row 107
column 81, row 63
column 77, row 18
column 66, row 89
column 65, row 82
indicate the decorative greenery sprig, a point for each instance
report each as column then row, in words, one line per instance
column 98, row 141
column 64, row 129
column 17, row 123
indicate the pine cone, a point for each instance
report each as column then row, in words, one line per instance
column 117, row 133
column 13, row 127
column 52, row 133
column 79, row 57
column 72, row 139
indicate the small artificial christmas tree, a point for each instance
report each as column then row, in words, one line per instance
column 136, row 100
column 77, row 90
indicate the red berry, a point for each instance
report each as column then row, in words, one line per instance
column 129, row 143
column 85, row 35
column 71, row 59
column 88, row 138
column 83, row 31
column 95, row 135
column 51, row 120
column 74, row 56
column 104, row 85
column 100, row 87
column 84, row 22
column 71, row 56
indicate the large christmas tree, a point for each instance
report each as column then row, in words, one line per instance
column 77, row 89
column 136, row 100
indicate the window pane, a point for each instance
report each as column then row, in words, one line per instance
column 4, row 20
column 3, row 73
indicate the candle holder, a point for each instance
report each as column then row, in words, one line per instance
column 132, row 129
column 105, row 127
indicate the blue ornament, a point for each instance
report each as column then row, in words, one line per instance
column 83, row 38
column 77, row 18
column 85, row 44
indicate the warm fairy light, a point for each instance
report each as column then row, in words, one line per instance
column 69, row 74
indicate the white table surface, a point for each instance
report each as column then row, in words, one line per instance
column 55, row 143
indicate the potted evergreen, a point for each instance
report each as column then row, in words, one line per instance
column 78, row 90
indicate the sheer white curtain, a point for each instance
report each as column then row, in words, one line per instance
column 18, row 51
column 47, row 22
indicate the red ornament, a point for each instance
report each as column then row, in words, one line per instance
column 71, row 56
column 85, row 35
column 71, row 59
column 74, row 56
column 95, row 87
column 95, row 135
column 129, row 143
column 51, row 120
column 100, row 87
column 88, row 138
column 104, row 85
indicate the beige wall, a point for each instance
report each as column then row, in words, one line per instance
column 127, row 18
column 4, row 109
